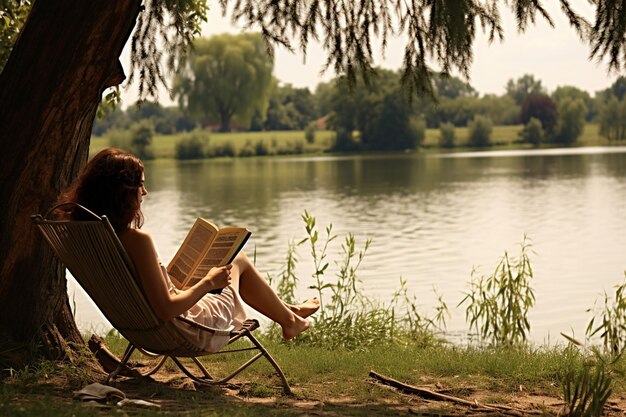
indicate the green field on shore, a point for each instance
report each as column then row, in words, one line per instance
column 502, row 137
column 164, row 146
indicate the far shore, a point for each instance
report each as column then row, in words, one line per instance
column 294, row 143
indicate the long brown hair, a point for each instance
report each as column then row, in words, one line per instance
column 108, row 185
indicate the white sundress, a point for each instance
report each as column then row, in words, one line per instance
column 222, row 311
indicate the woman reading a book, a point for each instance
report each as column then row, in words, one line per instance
column 112, row 184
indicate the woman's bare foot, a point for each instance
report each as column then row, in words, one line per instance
column 307, row 308
column 296, row 326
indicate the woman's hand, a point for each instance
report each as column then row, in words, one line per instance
column 218, row 277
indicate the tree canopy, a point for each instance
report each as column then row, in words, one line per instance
column 380, row 115
column 12, row 17
column 523, row 87
column 542, row 107
column 290, row 108
column 226, row 76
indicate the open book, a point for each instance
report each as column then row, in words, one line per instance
column 206, row 246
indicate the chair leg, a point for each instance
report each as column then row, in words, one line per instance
column 148, row 354
column 202, row 368
column 127, row 353
column 158, row 366
column 160, row 363
column 200, row 380
column 266, row 354
column 199, row 364
column 208, row 380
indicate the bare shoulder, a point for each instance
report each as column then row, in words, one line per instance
column 136, row 239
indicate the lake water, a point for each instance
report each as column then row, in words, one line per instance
column 431, row 218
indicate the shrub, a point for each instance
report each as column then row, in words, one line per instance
column 247, row 150
column 389, row 125
column 480, row 131
column 533, row 132
column 497, row 305
column 610, row 323
column 192, row 146
column 586, row 390
column 290, row 148
column 446, row 135
column 309, row 132
column 221, row 150
column 297, row 146
column 587, row 386
column 261, row 148
column 347, row 317
column 141, row 139
column 571, row 120
column 345, row 141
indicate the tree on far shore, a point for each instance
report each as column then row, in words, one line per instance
column 571, row 121
column 67, row 55
column 225, row 78
column 612, row 119
column 540, row 106
column 523, row 87
column 378, row 113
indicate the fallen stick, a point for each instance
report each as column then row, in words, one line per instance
column 433, row 395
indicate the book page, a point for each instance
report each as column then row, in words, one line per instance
column 190, row 252
column 228, row 242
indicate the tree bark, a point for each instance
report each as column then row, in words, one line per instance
column 67, row 54
column 225, row 117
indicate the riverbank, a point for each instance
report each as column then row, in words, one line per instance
column 337, row 382
column 326, row 382
column 503, row 137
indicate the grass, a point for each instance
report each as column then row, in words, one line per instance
column 503, row 137
column 500, row 136
column 508, row 136
column 334, row 381
column 164, row 145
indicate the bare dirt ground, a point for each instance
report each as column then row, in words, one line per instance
column 475, row 402
column 175, row 395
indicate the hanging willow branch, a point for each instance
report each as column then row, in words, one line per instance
column 438, row 33
column 164, row 30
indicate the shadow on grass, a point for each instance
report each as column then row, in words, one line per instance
column 177, row 395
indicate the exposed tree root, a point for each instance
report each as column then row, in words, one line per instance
column 107, row 359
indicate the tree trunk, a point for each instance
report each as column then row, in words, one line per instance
column 225, row 116
column 67, row 54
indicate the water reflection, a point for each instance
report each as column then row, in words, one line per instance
column 432, row 218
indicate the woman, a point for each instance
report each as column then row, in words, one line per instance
column 112, row 184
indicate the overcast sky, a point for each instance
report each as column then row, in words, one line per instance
column 553, row 55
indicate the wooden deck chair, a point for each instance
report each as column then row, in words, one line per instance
column 96, row 258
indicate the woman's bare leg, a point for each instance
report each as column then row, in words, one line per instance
column 257, row 293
